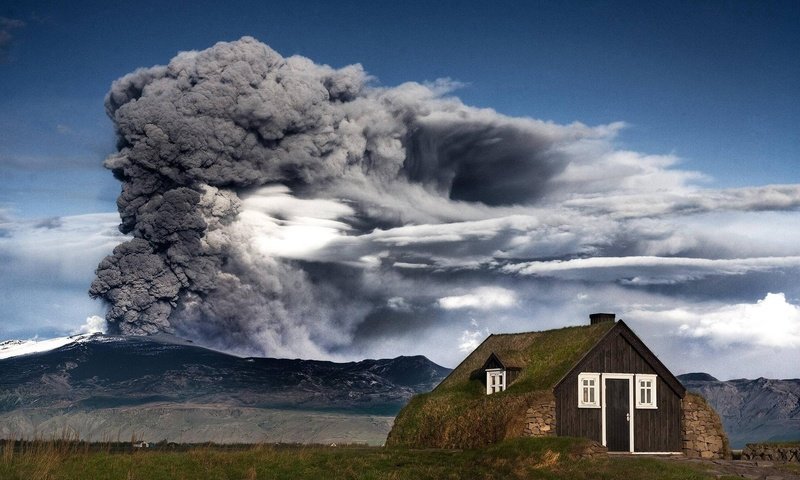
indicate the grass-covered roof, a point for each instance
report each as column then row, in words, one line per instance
column 544, row 357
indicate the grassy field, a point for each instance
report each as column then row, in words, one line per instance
column 552, row 458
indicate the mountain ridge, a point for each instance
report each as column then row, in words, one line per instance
column 751, row 411
column 144, row 378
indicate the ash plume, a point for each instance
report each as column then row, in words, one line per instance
column 197, row 136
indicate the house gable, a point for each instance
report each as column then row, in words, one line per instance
column 620, row 354
column 607, row 342
column 493, row 362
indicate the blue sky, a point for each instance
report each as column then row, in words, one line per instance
column 714, row 85
column 713, row 82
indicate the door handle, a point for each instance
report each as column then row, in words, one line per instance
column 627, row 417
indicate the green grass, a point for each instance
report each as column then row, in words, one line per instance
column 552, row 458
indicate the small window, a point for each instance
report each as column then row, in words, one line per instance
column 646, row 391
column 495, row 380
column 589, row 390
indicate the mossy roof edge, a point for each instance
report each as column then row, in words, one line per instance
column 545, row 356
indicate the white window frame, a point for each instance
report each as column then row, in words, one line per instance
column 653, row 379
column 491, row 374
column 595, row 387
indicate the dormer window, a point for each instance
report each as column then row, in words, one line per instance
column 499, row 375
column 495, row 380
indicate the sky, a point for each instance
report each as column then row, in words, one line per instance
column 557, row 159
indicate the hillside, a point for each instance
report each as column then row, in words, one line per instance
column 108, row 387
column 751, row 410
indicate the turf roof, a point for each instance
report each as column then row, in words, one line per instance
column 545, row 357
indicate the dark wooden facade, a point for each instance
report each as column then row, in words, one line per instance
column 621, row 351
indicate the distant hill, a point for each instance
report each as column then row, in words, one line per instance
column 751, row 410
column 162, row 387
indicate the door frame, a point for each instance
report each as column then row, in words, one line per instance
column 618, row 376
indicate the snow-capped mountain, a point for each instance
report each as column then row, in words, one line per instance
column 15, row 348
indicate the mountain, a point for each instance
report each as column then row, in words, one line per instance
column 751, row 410
column 162, row 387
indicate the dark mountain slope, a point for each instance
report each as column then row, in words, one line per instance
column 108, row 371
column 751, row 410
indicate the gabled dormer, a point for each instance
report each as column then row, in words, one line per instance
column 499, row 375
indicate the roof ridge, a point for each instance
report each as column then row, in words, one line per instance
column 541, row 331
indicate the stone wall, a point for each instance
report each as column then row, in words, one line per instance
column 591, row 450
column 702, row 431
column 703, row 435
column 771, row 451
column 540, row 419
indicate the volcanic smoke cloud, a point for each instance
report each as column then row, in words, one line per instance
column 274, row 204
column 198, row 134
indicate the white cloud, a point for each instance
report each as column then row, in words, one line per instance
column 622, row 202
column 399, row 303
column 411, row 265
column 453, row 232
column 484, row 298
column 470, row 339
column 94, row 324
column 646, row 270
column 47, row 266
column 282, row 225
column 62, row 248
column 770, row 322
column 595, row 167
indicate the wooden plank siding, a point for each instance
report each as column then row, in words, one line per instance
column 657, row 430
column 572, row 421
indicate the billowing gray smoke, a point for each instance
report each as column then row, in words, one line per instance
column 197, row 136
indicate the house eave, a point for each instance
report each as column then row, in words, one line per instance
column 585, row 355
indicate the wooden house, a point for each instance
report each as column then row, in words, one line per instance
column 598, row 381
column 620, row 394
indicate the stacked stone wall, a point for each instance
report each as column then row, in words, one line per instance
column 703, row 435
column 772, row 452
column 540, row 419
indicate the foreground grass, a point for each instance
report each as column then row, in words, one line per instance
column 552, row 458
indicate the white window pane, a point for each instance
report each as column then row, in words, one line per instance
column 588, row 390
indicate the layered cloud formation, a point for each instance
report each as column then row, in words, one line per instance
column 46, row 265
column 280, row 207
